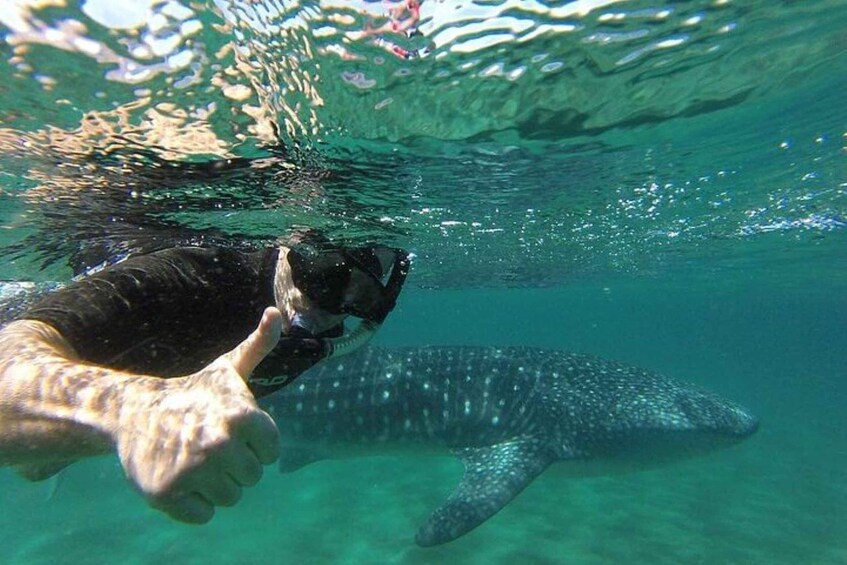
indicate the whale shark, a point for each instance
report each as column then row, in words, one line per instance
column 507, row 412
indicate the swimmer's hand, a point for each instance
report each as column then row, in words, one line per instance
column 192, row 443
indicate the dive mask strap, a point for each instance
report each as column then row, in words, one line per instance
column 394, row 285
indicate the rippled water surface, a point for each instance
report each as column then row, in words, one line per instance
column 511, row 143
column 664, row 183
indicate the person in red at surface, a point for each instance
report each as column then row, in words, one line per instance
column 403, row 19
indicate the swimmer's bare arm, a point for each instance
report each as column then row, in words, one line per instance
column 188, row 443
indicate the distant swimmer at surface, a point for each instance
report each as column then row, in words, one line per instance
column 402, row 20
column 160, row 358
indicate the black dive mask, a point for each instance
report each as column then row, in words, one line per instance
column 349, row 281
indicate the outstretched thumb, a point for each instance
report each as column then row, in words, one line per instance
column 250, row 352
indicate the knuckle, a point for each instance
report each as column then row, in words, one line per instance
column 201, row 517
column 232, row 498
column 253, row 475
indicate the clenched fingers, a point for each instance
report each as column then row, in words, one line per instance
column 191, row 508
column 242, row 464
column 259, row 432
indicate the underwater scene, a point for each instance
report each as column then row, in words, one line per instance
column 651, row 195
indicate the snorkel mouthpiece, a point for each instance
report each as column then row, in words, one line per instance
column 340, row 346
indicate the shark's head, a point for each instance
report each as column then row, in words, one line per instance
column 726, row 422
column 688, row 424
column 641, row 420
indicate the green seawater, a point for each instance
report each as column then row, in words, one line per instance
column 659, row 184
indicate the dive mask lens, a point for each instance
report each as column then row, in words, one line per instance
column 350, row 281
column 372, row 300
column 322, row 278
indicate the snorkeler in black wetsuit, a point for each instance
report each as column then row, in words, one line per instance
column 171, row 312
column 81, row 371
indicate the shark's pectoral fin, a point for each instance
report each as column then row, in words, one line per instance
column 494, row 475
column 41, row 471
column 49, row 472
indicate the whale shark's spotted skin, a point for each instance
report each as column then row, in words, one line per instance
column 507, row 412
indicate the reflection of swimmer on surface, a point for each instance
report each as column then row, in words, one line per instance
column 159, row 358
column 403, row 18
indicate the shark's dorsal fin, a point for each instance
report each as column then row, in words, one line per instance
column 494, row 475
